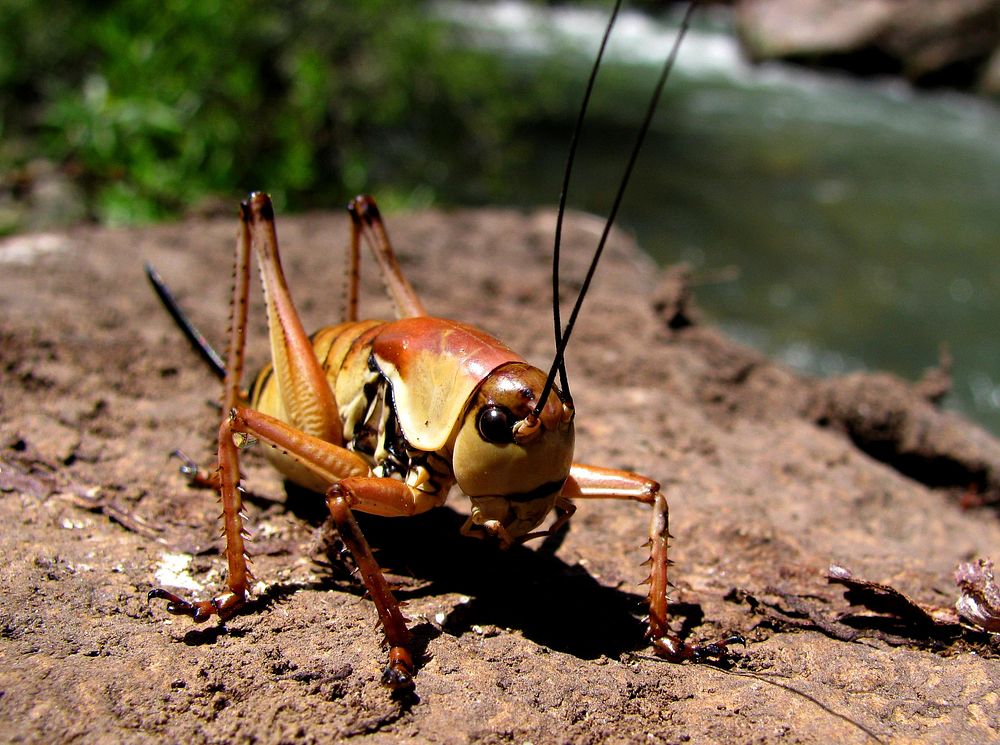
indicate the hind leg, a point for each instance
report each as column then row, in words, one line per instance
column 367, row 225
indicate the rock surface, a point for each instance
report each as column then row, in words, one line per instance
column 930, row 42
column 772, row 477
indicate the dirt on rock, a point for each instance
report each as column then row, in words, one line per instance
column 771, row 476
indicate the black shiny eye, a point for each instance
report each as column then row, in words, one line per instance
column 496, row 424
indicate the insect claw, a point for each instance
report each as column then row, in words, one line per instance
column 396, row 679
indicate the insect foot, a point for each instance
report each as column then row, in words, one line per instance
column 672, row 649
column 224, row 606
column 398, row 674
column 196, row 477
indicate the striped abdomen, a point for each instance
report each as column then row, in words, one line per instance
column 428, row 366
column 343, row 352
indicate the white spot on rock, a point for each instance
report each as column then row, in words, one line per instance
column 175, row 571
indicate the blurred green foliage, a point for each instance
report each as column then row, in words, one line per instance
column 155, row 108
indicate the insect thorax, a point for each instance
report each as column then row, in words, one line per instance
column 372, row 430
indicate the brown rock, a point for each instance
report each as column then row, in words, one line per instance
column 763, row 500
column 927, row 41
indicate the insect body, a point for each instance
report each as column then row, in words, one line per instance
column 427, row 402
column 385, row 417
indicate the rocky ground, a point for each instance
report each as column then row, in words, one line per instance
column 772, row 478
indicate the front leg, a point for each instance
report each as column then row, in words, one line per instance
column 592, row 482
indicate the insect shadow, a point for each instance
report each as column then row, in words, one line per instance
column 532, row 590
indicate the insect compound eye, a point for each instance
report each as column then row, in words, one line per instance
column 496, row 424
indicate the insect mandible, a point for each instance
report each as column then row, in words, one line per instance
column 384, row 417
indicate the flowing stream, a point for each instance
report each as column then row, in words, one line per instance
column 835, row 224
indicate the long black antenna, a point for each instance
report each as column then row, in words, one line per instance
column 192, row 334
column 557, row 363
column 556, row 320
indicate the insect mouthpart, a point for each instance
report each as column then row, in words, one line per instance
column 512, row 516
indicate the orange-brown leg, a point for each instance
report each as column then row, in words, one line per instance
column 592, row 482
column 355, row 490
column 350, row 311
column 232, row 395
column 352, row 488
column 305, row 393
column 366, row 222
column 341, row 498
column 239, row 576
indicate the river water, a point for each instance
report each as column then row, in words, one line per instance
column 835, row 224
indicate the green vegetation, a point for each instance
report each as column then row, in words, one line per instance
column 153, row 110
